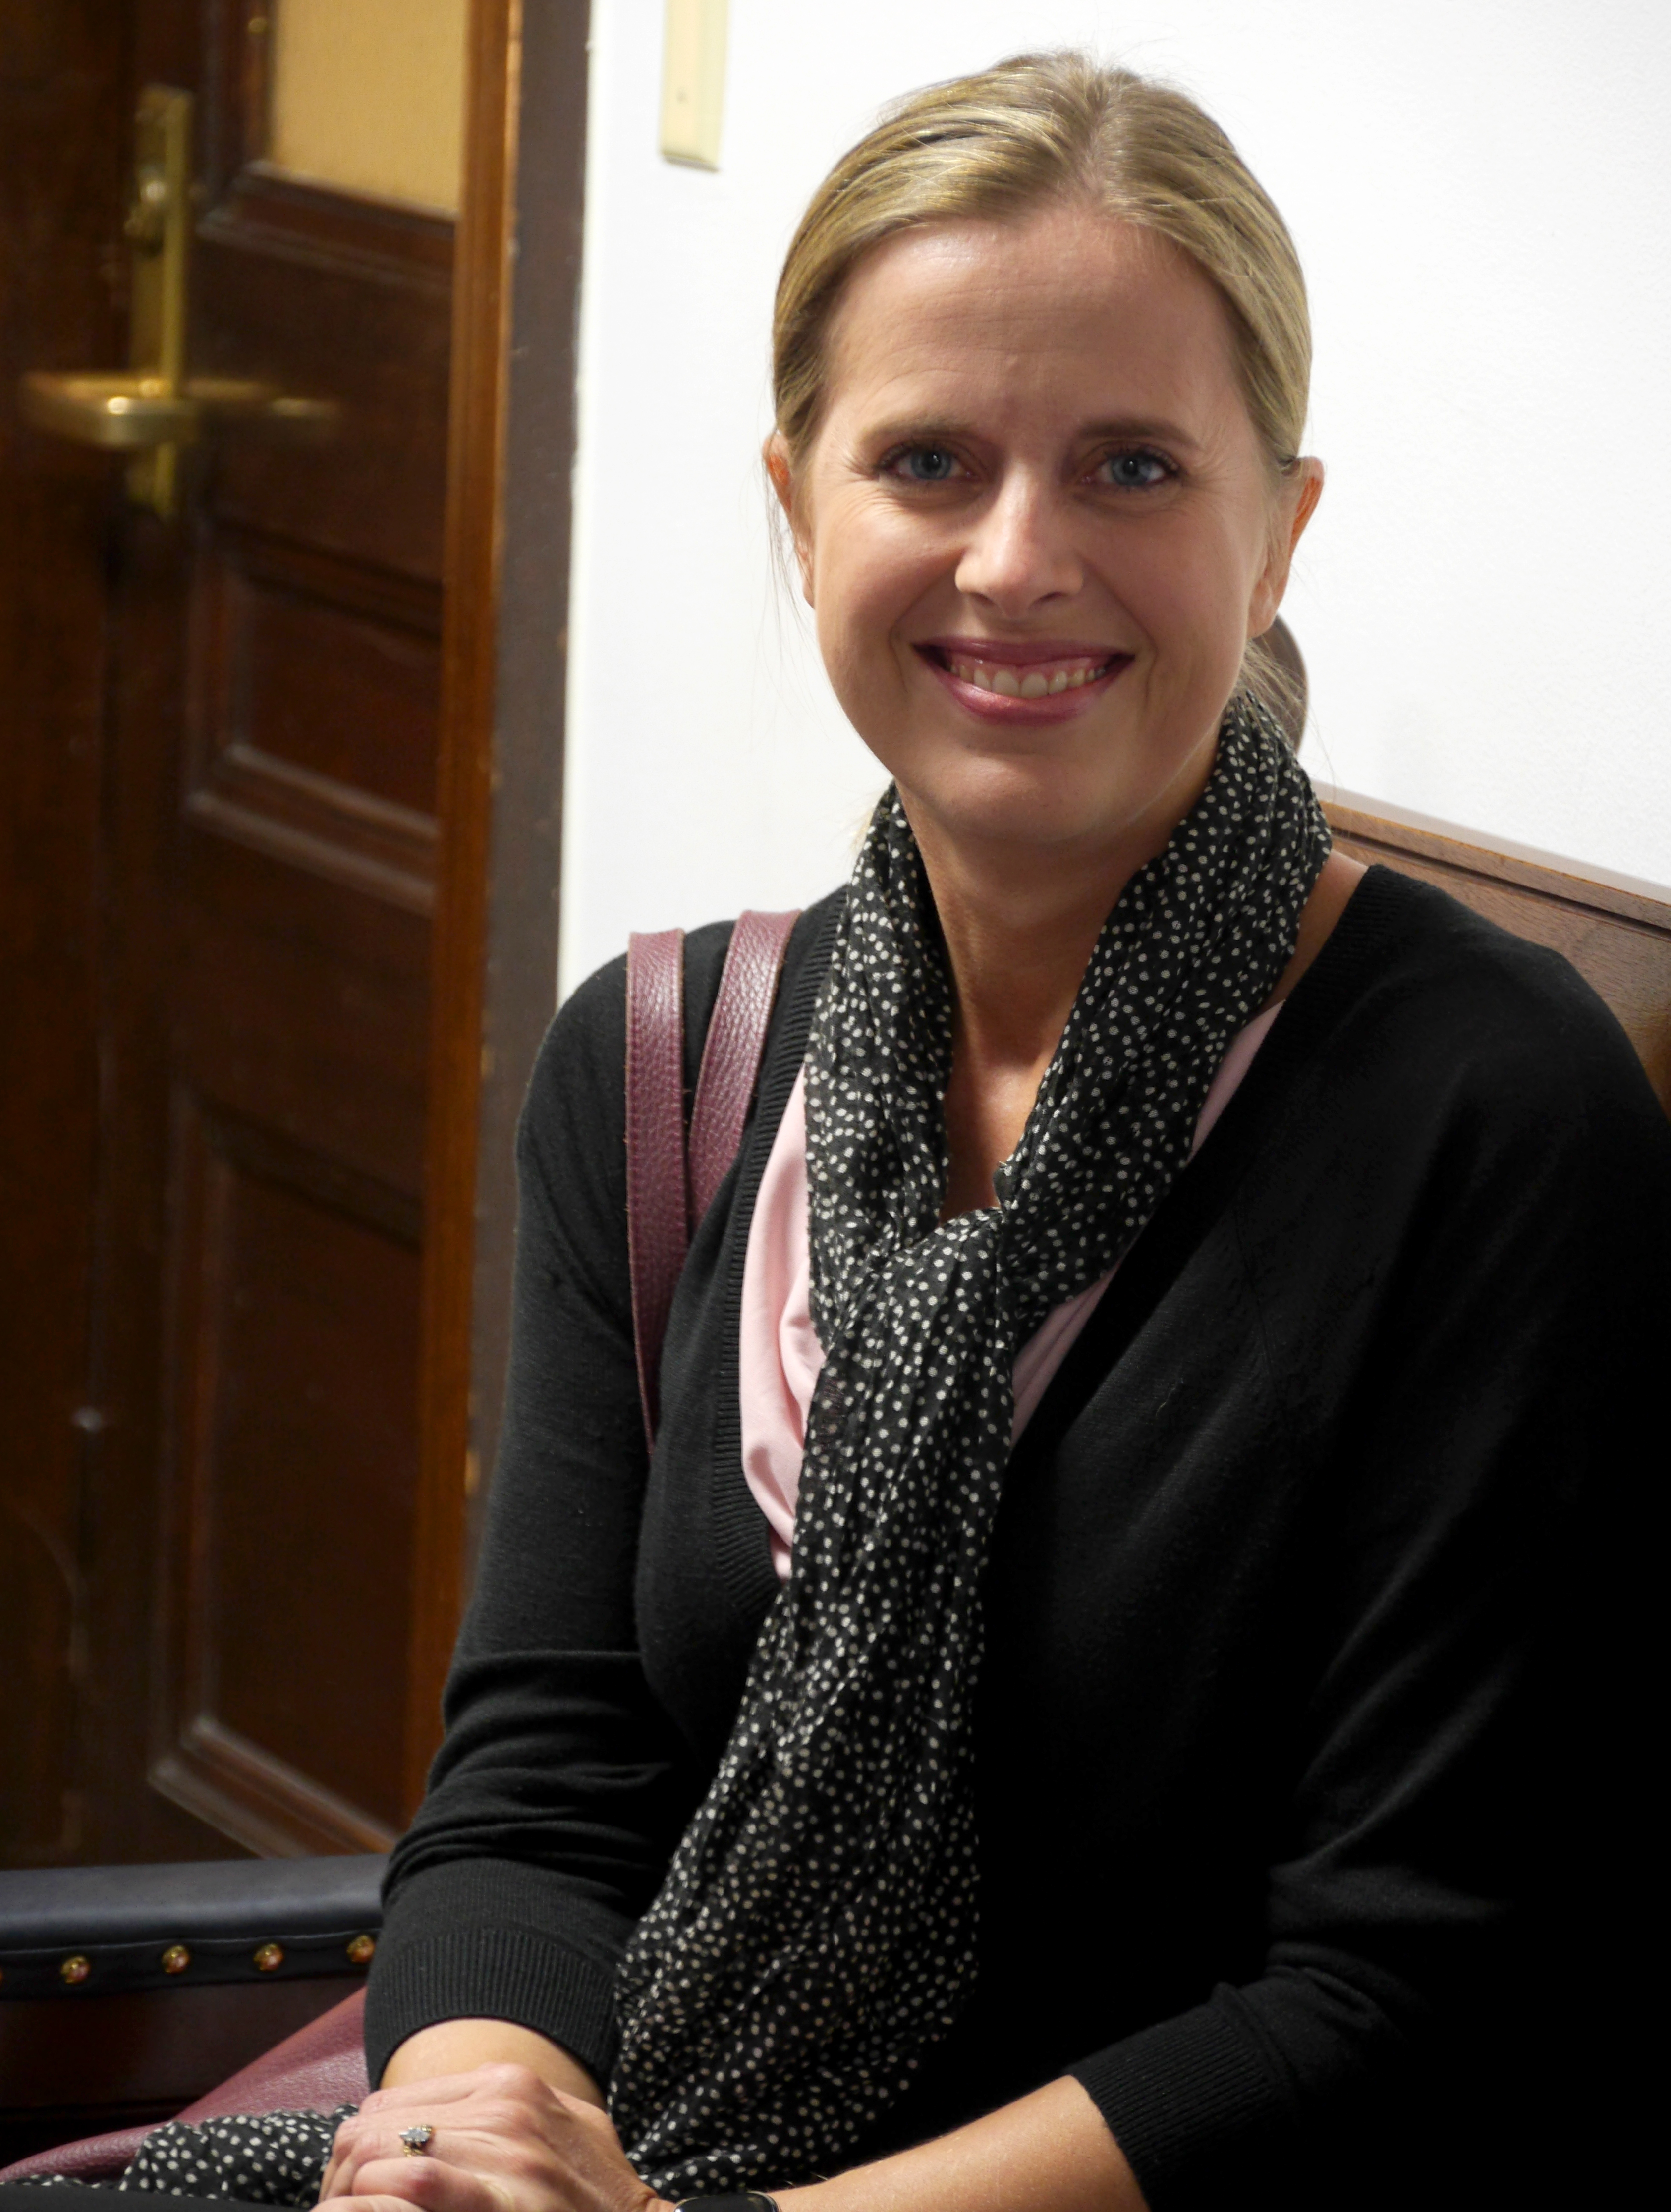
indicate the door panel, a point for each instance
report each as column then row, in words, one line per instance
column 297, row 891
column 317, row 691
column 300, row 1003
column 326, row 667
column 292, row 1509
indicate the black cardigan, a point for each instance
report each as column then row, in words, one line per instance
column 1305, row 1712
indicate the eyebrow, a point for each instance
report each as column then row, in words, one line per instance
column 1133, row 429
column 1138, row 427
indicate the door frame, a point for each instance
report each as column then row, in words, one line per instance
column 505, row 653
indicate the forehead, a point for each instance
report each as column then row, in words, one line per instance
column 1067, row 310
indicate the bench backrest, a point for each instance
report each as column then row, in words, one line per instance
column 1617, row 933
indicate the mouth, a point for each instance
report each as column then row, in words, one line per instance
column 1051, row 677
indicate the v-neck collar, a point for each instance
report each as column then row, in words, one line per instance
column 1328, row 988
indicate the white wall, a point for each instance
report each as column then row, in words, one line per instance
column 1481, row 196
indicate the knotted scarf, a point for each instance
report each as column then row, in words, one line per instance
column 816, row 1932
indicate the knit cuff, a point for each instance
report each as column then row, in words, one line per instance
column 504, row 1973
column 1191, row 2101
column 486, row 1939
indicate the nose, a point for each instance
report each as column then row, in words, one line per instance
column 1020, row 550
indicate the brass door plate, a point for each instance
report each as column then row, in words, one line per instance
column 159, row 229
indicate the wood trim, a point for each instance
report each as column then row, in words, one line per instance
column 1403, row 830
column 238, row 83
column 504, row 659
column 238, row 73
column 258, row 1800
column 481, row 301
column 525, row 854
column 1615, row 929
column 326, row 227
column 313, row 821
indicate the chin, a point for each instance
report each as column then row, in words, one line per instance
column 1042, row 810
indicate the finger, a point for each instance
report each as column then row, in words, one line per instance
column 333, row 2166
column 376, row 2138
column 428, row 2183
column 386, row 2202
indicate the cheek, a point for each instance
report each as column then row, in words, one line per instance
column 865, row 589
column 1192, row 594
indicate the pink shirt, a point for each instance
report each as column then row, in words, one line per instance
column 779, row 1352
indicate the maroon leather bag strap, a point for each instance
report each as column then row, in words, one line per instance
column 731, row 1056
column 672, row 1180
column 658, row 1205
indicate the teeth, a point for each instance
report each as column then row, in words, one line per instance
column 1038, row 683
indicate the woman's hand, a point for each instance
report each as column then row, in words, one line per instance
column 503, row 2141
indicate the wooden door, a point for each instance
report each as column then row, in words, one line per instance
column 62, row 103
column 214, row 1305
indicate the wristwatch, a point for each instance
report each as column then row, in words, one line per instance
column 734, row 2200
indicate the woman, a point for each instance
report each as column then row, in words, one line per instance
column 1065, row 1716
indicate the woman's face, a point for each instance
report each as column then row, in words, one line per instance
column 1038, row 528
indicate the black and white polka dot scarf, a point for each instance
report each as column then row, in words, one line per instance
column 265, row 2157
column 816, row 1931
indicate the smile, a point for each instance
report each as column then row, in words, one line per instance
column 1048, row 680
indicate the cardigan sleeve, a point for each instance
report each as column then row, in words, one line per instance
column 1438, row 1982
column 560, row 1787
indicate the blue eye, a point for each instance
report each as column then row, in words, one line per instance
column 927, row 464
column 1137, row 469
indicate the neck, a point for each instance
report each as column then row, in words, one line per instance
column 1016, row 954
column 1018, row 930
column 1017, row 938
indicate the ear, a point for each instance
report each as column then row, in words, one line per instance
column 1296, row 503
column 775, row 454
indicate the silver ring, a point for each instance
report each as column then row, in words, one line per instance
column 417, row 2139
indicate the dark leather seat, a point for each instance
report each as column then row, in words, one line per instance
column 135, row 1989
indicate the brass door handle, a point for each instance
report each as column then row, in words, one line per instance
column 126, row 412
column 152, row 409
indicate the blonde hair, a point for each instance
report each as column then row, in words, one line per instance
column 1036, row 128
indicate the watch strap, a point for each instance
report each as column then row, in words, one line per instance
column 734, row 2200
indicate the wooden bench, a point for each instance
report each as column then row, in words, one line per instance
column 1616, row 932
